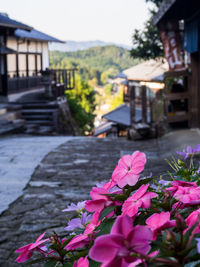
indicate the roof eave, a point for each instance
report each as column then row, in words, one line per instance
column 164, row 8
column 7, row 25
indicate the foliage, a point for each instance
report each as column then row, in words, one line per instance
column 92, row 62
column 135, row 221
column 82, row 105
column 156, row 2
column 108, row 89
column 117, row 100
column 147, row 43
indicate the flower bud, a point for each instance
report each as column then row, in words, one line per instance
column 180, row 162
column 170, row 236
column 180, row 223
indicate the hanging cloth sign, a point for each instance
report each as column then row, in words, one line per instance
column 171, row 40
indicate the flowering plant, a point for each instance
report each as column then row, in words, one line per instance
column 131, row 221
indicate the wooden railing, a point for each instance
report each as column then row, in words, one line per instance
column 59, row 79
column 64, row 76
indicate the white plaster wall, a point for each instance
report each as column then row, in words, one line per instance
column 11, row 63
column 22, row 65
column 39, row 47
column 32, row 46
column 22, row 46
column 45, row 55
column 11, row 43
column 38, row 62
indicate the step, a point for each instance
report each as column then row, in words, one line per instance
column 37, row 111
column 39, row 122
column 40, row 106
column 37, row 117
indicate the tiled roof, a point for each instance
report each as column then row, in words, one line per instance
column 121, row 115
column 35, row 35
column 6, row 22
column 147, row 71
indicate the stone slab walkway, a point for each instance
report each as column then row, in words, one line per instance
column 19, row 156
column 67, row 174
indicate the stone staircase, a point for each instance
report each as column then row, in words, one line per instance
column 41, row 118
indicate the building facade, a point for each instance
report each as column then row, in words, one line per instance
column 24, row 54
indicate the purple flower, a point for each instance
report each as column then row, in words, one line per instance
column 198, row 245
column 100, row 184
column 186, row 152
column 75, row 207
column 189, row 151
column 79, row 222
column 164, row 182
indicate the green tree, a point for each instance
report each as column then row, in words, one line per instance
column 82, row 105
column 147, row 43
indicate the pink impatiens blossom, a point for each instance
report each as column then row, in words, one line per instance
column 140, row 199
column 193, row 218
column 27, row 251
column 82, row 262
column 188, row 195
column 99, row 200
column 160, row 221
column 115, row 248
column 128, row 169
column 176, row 184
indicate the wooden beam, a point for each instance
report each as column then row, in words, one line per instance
column 144, row 103
column 132, row 105
column 193, row 92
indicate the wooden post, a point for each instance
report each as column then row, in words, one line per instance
column 132, row 105
column 193, row 92
column 144, row 104
column 17, row 64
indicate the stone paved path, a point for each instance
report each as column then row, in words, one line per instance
column 66, row 174
column 19, row 156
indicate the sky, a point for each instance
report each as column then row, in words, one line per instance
column 81, row 20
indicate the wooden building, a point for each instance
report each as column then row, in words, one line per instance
column 24, row 54
column 179, row 24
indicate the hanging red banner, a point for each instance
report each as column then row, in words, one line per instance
column 171, row 40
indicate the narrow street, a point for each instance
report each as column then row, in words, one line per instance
column 67, row 174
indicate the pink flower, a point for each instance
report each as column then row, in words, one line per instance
column 85, row 238
column 176, row 184
column 115, row 248
column 140, row 199
column 99, row 200
column 193, row 218
column 188, row 195
column 27, row 251
column 128, row 169
column 160, row 221
column 82, row 262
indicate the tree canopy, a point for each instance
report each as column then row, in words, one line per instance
column 147, row 43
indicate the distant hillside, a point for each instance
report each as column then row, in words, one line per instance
column 72, row 46
column 94, row 62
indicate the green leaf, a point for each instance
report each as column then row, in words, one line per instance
column 141, row 182
column 51, row 263
column 188, row 233
column 193, row 264
column 105, row 227
column 94, row 264
column 106, row 211
column 68, row 264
